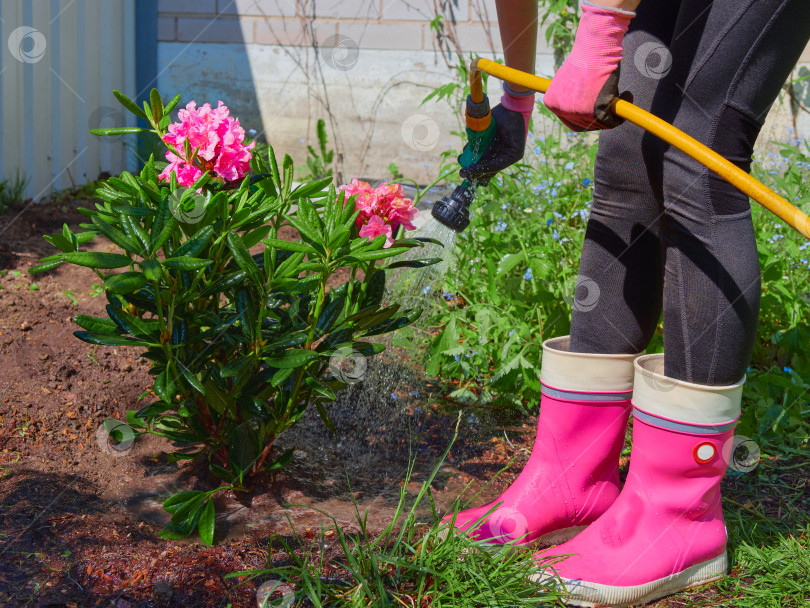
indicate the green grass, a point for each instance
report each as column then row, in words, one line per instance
column 411, row 563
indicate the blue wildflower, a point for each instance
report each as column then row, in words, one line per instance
column 569, row 166
column 393, row 396
column 528, row 274
column 455, row 357
column 511, row 331
column 788, row 370
column 549, row 221
column 586, row 182
column 426, row 289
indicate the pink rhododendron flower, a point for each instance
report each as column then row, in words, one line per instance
column 382, row 209
column 218, row 139
column 375, row 227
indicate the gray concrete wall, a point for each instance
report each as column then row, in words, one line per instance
column 362, row 65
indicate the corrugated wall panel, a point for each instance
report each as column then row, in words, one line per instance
column 56, row 81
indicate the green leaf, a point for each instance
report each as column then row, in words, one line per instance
column 126, row 282
column 96, row 324
column 329, row 315
column 157, row 105
column 236, row 367
column 308, row 190
column 115, row 235
column 243, row 449
column 44, row 266
column 175, row 501
column 165, row 224
column 379, row 254
column 414, row 263
column 191, row 378
column 185, row 262
column 107, row 340
column 195, row 246
column 151, row 269
column 117, row 131
column 164, row 386
column 242, row 257
column 170, row 106
column 295, row 357
column 60, row 242
column 95, row 259
column 206, row 523
column 508, row 262
column 254, row 236
column 129, row 104
column 289, row 245
column 248, row 310
column 133, row 226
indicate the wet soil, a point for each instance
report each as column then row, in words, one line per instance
column 79, row 526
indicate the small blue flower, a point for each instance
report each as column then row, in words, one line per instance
column 511, row 331
column 788, row 370
column 549, row 221
column 456, row 357
column 568, row 166
column 556, row 235
column 528, row 274
column 413, row 393
column 505, row 206
column 500, row 226
column 393, row 396
column 586, row 182
column 252, row 132
column 426, row 289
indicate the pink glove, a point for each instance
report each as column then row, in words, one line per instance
column 583, row 88
column 523, row 103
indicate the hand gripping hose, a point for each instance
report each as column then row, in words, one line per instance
column 454, row 211
column 675, row 137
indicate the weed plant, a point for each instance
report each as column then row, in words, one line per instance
column 12, row 191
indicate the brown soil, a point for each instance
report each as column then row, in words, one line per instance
column 79, row 527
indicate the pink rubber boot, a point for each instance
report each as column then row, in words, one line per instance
column 665, row 532
column 572, row 475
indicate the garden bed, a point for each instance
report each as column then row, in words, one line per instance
column 79, row 527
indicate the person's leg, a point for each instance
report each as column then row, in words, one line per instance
column 617, row 302
column 665, row 532
column 730, row 60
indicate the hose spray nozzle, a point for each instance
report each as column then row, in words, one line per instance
column 454, row 211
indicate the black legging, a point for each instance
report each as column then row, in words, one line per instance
column 664, row 230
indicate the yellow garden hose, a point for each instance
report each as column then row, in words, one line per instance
column 675, row 137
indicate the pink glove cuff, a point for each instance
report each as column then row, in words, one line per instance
column 523, row 104
column 599, row 38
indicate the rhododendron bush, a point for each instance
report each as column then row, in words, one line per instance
column 243, row 330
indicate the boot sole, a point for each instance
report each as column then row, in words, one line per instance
column 591, row 595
